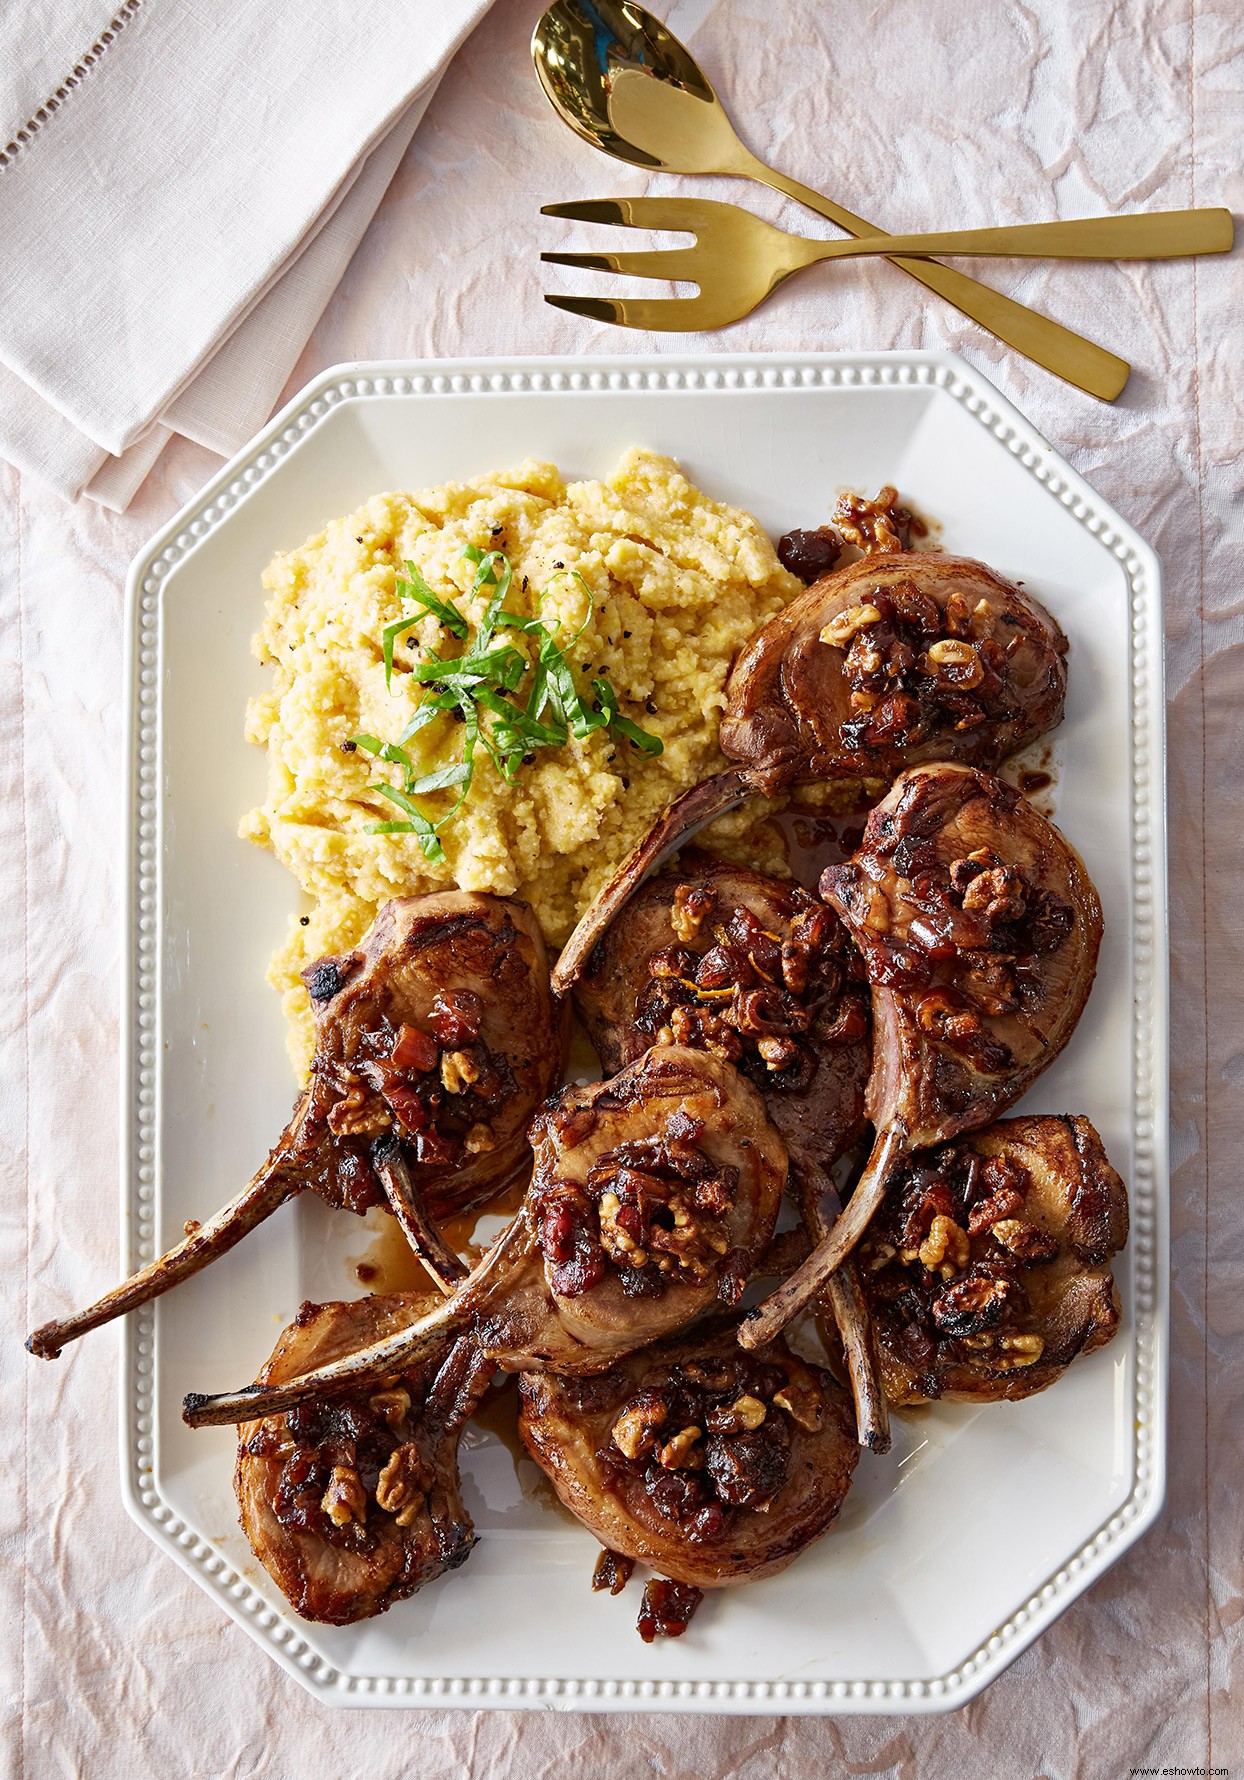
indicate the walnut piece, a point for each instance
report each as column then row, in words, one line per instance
column 970, row 1306
column 998, row 894
column 402, row 1486
column 840, row 630
column 802, row 1399
column 945, row 1249
column 614, row 1239
column 692, row 906
column 1028, row 1241
column 458, row 1071
column 634, row 1431
column 683, row 1452
column 982, row 619
column 360, row 1114
column 956, row 661
column 1017, row 1351
column 778, row 1053
column 745, row 1413
column 345, row 1498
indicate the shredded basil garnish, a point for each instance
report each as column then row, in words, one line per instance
column 530, row 700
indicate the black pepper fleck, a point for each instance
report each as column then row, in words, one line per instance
column 349, row 747
column 651, row 709
column 304, row 920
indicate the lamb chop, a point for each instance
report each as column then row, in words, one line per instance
column 652, row 1198
column 762, row 973
column 354, row 1503
column 899, row 658
column 436, row 1040
column 894, row 660
column 979, row 930
column 712, row 1465
column 756, row 970
column 987, row 1268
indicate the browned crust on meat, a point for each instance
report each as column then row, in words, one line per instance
column 788, row 697
column 1070, row 1301
column 567, row 1440
column 933, row 816
column 324, row 1582
column 821, row 1117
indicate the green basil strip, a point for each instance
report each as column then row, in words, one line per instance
column 533, row 734
column 387, row 638
column 645, row 744
column 418, row 821
column 581, row 721
column 458, row 773
column 416, row 588
column 504, row 667
column 425, row 712
column 500, row 583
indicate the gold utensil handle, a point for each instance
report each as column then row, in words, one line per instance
column 1067, row 354
column 1161, row 235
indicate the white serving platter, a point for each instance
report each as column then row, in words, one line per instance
column 957, row 1550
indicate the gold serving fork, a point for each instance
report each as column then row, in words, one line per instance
column 738, row 259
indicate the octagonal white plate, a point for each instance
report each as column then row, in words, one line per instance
column 958, row 1549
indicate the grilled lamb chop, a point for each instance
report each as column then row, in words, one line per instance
column 354, row 1503
column 762, row 973
column 757, row 971
column 987, row 1268
column 653, row 1196
column 711, row 1465
column 901, row 657
column 896, row 659
column 436, row 1040
column 979, row 930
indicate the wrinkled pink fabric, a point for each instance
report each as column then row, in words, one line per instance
column 919, row 113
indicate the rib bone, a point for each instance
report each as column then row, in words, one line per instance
column 462, row 962
column 524, row 1304
column 976, row 990
column 278, row 1180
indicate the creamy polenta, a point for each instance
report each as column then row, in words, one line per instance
column 646, row 583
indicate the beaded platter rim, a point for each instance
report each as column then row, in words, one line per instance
column 280, row 1633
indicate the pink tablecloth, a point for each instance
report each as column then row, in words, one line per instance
column 920, row 114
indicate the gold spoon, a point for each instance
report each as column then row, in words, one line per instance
column 626, row 85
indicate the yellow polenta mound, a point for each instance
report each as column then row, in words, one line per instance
column 677, row 584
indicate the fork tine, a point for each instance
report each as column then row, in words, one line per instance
column 641, row 213
column 663, row 315
column 674, row 263
column 597, row 210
